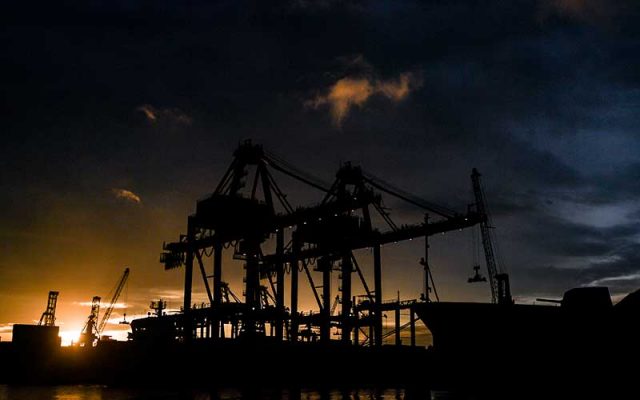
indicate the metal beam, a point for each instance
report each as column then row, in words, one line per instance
column 426, row 261
column 280, row 285
column 294, row 289
column 204, row 277
column 217, row 273
column 217, row 287
column 346, row 297
column 252, row 286
column 378, row 238
column 361, row 276
column 188, row 279
column 377, row 278
column 312, row 284
column 412, row 322
column 266, row 186
column 324, row 265
column 397, row 312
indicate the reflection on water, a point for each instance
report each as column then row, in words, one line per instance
column 96, row 392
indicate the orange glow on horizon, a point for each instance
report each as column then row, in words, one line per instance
column 69, row 337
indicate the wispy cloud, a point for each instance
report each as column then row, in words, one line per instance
column 149, row 111
column 6, row 328
column 342, row 96
column 398, row 89
column 169, row 294
column 351, row 92
column 173, row 115
column 115, row 306
column 615, row 279
column 126, row 195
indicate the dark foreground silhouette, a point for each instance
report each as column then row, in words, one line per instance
column 584, row 347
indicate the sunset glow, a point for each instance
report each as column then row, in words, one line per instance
column 69, row 337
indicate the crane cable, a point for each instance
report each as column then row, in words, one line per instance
column 286, row 168
column 475, row 246
column 126, row 302
column 406, row 196
column 500, row 264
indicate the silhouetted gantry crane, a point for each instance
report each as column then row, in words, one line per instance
column 248, row 210
column 89, row 334
column 48, row 317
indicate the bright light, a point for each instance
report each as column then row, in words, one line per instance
column 69, row 337
column 118, row 334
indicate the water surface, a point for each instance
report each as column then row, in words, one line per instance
column 99, row 392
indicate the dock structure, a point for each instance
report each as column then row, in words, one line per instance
column 248, row 214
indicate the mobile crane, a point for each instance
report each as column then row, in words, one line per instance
column 94, row 327
column 114, row 299
column 498, row 278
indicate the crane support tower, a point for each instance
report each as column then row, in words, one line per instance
column 498, row 279
column 48, row 317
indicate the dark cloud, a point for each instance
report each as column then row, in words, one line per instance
column 555, row 236
column 620, row 185
column 620, row 272
column 540, row 96
column 590, row 11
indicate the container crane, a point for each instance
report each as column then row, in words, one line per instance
column 89, row 333
column 498, row 279
column 245, row 216
column 48, row 317
column 114, row 299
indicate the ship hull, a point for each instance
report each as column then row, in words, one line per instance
column 539, row 347
column 476, row 328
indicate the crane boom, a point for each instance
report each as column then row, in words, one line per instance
column 498, row 280
column 114, row 299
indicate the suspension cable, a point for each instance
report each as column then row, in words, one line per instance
column 288, row 169
column 406, row 196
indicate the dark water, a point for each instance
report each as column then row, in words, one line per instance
column 96, row 392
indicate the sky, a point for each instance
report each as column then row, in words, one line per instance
column 116, row 116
